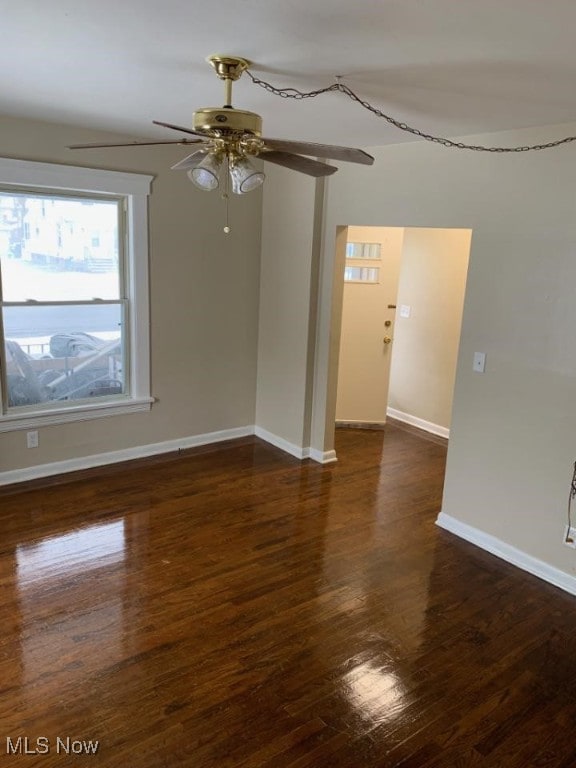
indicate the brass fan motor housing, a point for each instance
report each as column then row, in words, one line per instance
column 227, row 121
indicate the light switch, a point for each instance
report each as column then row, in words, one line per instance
column 404, row 310
column 479, row 362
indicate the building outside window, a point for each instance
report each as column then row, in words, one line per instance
column 73, row 293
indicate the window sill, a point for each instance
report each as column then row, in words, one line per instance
column 37, row 419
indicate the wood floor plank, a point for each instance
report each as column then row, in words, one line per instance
column 233, row 606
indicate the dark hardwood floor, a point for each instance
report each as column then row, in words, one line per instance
column 233, row 606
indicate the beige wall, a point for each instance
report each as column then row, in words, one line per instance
column 513, row 432
column 432, row 283
column 204, row 303
column 364, row 361
column 289, row 267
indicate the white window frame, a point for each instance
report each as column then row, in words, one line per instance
column 134, row 188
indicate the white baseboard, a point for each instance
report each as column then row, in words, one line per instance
column 284, row 445
column 152, row 449
column 428, row 426
column 113, row 457
column 323, row 457
column 509, row 553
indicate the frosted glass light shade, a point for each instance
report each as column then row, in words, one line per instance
column 206, row 175
column 244, row 176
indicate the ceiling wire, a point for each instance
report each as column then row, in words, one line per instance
column 294, row 93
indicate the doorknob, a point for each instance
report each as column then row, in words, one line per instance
column 386, row 339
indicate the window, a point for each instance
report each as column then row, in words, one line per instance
column 363, row 251
column 361, row 274
column 73, row 294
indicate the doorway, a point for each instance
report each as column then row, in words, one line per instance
column 401, row 321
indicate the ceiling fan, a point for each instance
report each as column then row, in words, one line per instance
column 229, row 137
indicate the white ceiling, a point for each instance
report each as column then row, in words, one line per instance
column 452, row 67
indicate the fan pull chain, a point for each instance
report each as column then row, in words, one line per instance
column 226, row 198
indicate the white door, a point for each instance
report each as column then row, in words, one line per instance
column 367, row 338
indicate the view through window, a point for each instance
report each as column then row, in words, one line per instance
column 63, row 299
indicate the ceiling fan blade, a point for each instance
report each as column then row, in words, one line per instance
column 191, row 161
column 134, row 144
column 348, row 154
column 298, row 163
column 179, row 128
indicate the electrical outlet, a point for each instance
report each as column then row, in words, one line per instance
column 570, row 537
column 32, row 439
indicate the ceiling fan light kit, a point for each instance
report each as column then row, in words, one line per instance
column 245, row 177
column 206, row 175
column 228, row 138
